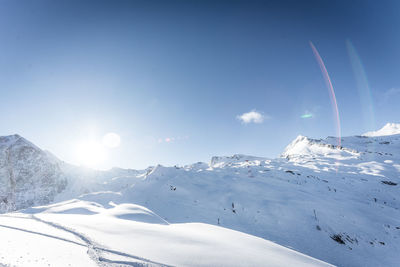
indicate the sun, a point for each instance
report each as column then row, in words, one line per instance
column 91, row 153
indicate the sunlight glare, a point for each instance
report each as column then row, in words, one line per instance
column 111, row 140
column 91, row 153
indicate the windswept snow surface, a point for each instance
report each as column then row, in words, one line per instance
column 27, row 242
column 81, row 233
column 339, row 204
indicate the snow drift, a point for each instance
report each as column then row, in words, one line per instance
column 336, row 203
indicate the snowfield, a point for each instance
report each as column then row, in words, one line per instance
column 81, row 233
column 338, row 204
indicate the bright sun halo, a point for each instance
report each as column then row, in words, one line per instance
column 92, row 153
column 111, row 140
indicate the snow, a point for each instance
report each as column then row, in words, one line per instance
column 339, row 204
column 112, row 235
column 388, row 129
column 27, row 242
column 28, row 175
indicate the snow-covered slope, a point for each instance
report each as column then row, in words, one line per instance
column 130, row 235
column 388, row 129
column 336, row 203
column 340, row 205
column 28, row 175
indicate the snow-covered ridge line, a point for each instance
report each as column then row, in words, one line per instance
column 223, row 161
column 388, row 129
column 344, row 201
column 16, row 195
column 303, row 146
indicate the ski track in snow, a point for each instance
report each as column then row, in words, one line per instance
column 343, row 198
column 95, row 251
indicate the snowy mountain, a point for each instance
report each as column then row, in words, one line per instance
column 388, row 129
column 336, row 203
column 28, row 175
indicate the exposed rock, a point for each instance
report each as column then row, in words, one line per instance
column 28, row 175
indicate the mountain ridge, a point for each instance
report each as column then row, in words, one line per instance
column 388, row 129
column 336, row 203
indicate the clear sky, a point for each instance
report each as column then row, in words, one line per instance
column 175, row 79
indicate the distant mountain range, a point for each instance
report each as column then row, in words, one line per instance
column 335, row 201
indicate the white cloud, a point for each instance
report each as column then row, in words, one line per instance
column 173, row 139
column 252, row 117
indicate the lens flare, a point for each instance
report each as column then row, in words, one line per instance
column 331, row 92
column 306, row 116
column 364, row 90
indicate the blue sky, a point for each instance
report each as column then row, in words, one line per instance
column 183, row 71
